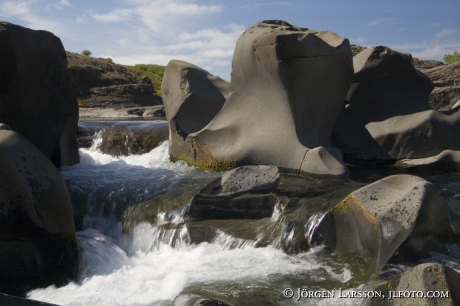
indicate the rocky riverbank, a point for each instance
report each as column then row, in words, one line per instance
column 105, row 89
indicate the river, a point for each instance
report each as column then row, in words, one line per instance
column 147, row 263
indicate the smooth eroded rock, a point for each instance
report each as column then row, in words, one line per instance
column 289, row 84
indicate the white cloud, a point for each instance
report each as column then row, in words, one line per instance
column 65, row 3
column 379, row 21
column 445, row 32
column 260, row 5
column 14, row 8
column 116, row 15
column 159, row 15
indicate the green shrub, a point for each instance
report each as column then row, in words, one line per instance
column 155, row 69
column 86, row 52
column 452, row 58
column 109, row 60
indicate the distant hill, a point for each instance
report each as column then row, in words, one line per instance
column 100, row 83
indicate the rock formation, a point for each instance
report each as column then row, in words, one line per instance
column 388, row 116
column 288, row 83
column 36, row 95
column 37, row 232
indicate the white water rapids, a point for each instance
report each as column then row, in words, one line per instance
column 152, row 265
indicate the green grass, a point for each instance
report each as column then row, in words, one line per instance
column 155, row 72
column 452, row 58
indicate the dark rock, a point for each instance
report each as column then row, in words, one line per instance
column 37, row 232
column 251, row 206
column 9, row 300
column 124, row 140
column 126, row 95
column 427, row 278
column 241, row 193
column 36, row 95
column 196, row 300
column 401, row 214
column 289, row 84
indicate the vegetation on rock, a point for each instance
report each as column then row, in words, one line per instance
column 155, row 72
column 86, row 52
column 452, row 58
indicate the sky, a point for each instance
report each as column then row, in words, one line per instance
column 204, row 32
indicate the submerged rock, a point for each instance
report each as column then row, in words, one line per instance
column 196, row 300
column 399, row 213
column 289, row 84
column 36, row 95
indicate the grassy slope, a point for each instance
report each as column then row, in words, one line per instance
column 155, row 72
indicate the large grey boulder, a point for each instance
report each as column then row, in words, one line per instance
column 36, row 95
column 289, row 84
column 37, row 232
column 401, row 213
column 192, row 98
column 426, row 284
column 388, row 116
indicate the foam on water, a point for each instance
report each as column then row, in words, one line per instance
column 157, row 272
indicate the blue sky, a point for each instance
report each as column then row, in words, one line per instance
column 204, row 32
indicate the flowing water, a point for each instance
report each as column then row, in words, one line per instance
column 152, row 260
